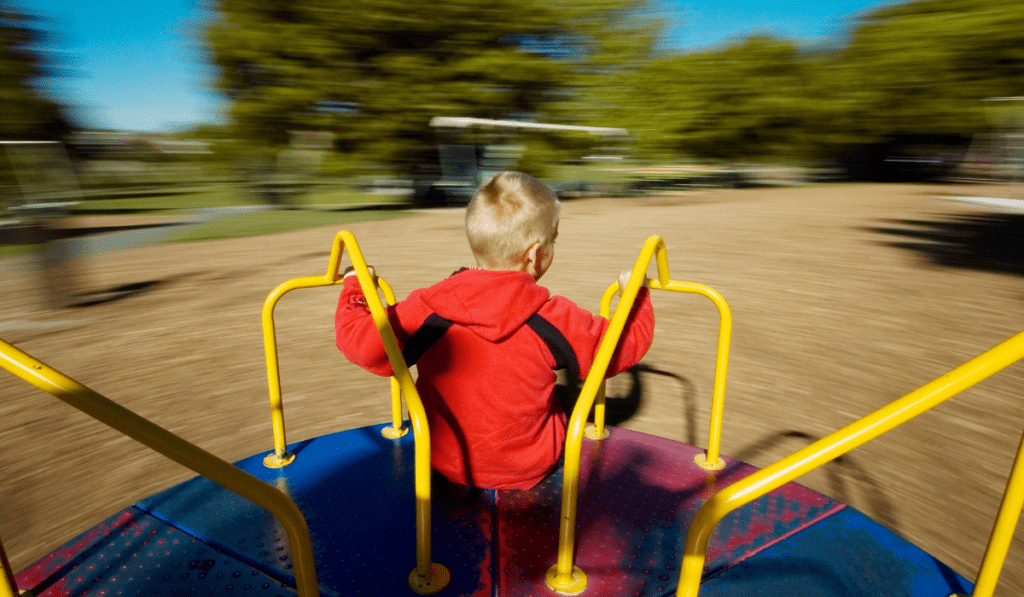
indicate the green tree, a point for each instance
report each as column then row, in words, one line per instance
column 912, row 80
column 374, row 72
column 740, row 102
column 923, row 68
column 24, row 113
column 913, row 73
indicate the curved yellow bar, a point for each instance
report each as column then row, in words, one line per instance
column 397, row 429
column 711, row 460
column 1002, row 530
column 7, row 586
column 606, row 299
column 848, row 438
column 428, row 577
column 561, row 577
column 281, row 457
column 598, row 432
column 143, row 431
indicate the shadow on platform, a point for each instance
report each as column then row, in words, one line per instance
column 844, row 473
column 619, row 409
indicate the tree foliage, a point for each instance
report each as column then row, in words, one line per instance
column 923, row 69
column 24, row 113
column 374, row 72
column 910, row 71
column 742, row 101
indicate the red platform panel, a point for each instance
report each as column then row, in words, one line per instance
column 638, row 495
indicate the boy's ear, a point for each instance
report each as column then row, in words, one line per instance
column 532, row 260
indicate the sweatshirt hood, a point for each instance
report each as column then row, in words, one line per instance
column 492, row 304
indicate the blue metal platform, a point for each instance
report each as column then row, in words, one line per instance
column 638, row 495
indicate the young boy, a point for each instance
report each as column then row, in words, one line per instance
column 488, row 339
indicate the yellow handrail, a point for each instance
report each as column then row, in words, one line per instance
column 149, row 434
column 1002, row 529
column 563, row 577
column 852, row 436
column 710, row 459
column 281, row 457
column 7, row 586
column 428, row 577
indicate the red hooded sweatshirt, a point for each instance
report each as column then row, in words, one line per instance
column 487, row 384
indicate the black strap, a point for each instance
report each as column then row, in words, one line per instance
column 429, row 332
column 565, row 357
column 435, row 326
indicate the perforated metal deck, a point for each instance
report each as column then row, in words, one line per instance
column 638, row 495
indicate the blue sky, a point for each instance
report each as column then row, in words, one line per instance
column 137, row 65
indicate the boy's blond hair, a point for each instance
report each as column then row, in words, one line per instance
column 507, row 215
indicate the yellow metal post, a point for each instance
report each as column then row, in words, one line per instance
column 597, row 431
column 397, row 428
column 1002, row 530
column 281, row 457
column 147, row 433
column 563, row 577
column 838, row 443
column 8, row 588
column 428, row 577
column 711, row 459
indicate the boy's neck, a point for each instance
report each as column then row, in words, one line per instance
column 530, row 263
column 517, row 267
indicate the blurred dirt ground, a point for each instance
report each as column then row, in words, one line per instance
column 844, row 298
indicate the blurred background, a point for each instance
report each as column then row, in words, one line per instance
column 186, row 104
column 124, row 124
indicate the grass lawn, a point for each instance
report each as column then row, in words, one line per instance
column 227, row 195
column 269, row 222
column 184, row 198
column 181, row 198
column 12, row 250
column 254, row 224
